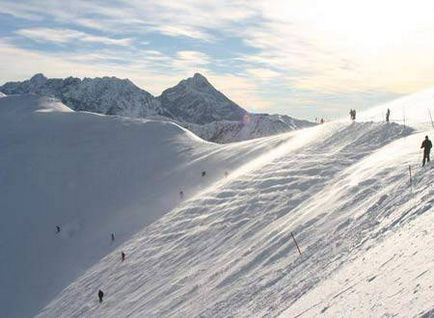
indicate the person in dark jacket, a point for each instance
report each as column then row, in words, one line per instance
column 100, row 295
column 122, row 256
column 388, row 115
column 426, row 145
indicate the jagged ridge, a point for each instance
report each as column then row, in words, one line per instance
column 194, row 104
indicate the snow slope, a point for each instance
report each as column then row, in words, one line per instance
column 414, row 110
column 342, row 188
column 92, row 175
column 251, row 126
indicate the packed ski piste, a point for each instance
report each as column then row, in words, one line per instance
column 119, row 217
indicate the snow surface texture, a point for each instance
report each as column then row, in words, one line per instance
column 92, row 175
column 194, row 104
column 343, row 190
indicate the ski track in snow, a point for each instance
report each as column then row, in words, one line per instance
column 229, row 251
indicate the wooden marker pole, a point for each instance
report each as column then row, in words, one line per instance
column 296, row 244
column 411, row 182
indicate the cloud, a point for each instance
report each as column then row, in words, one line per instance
column 241, row 90
column 68, row 35
column 319, row 52
column 263, row 74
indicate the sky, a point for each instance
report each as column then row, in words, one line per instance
column 304, row 58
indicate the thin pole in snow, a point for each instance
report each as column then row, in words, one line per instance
column 432, row 123
column 411, row 181
column 409, row 170
column 296, row 244
column 403, row 110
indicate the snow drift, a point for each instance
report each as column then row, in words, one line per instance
column 341, row 188
column 92, row 175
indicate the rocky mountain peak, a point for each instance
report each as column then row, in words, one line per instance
column 38, row 78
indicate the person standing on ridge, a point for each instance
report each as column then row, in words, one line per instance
column 123, row 256
column 351, row 114
column 113, row 237
column 427, row 145
column 388, row 115
column 100, row 295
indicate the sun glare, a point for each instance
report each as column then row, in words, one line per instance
column 373, row 26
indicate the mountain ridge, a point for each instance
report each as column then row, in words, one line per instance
column 193, row 103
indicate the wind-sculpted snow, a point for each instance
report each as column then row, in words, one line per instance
column 92, row 175
column 340, row 188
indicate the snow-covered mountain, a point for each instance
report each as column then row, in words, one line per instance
column 107, row 95
column 225, row 249
column 251, row 126
column 194, row 103
column 195, row 100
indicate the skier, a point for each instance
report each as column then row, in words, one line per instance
column 427, row 145
column 387, row 115
column 123, row 256
column 181, row 194
column 57, row 229
column 100, row 295
column 203, row 173
column 351, row 114
column 113, row 237
column 354, row 114
column 322, row 121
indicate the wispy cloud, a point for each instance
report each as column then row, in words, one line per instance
column 287, row 55
column 68, row 35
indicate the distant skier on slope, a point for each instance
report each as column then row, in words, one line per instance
column 388, row 115
column 57, row 229
column 427, row 145
column 100, row 295
column 113, row 237
column 122, row 256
